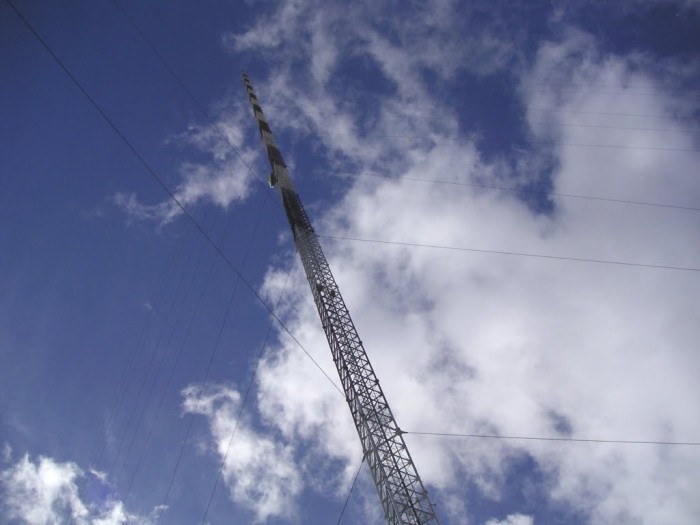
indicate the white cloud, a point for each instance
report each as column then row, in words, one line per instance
column 260, row 473
column 47, row 492
column 43, row 492
column 484, row 343
column 513, row 519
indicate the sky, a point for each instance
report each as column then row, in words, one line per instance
column 508, row 197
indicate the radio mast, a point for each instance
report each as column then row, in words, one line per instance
column 401, row 491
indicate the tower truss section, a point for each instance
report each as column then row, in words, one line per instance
column 403, row 496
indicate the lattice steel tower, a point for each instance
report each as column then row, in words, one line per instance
column 401, row 491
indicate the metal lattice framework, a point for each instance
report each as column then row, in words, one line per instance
column 401, row 491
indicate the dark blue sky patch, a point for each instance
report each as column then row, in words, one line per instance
column 360, row 84
column 489, row 109
column 560, row 423
column 526, row 490
column 534, row 191
column 664, row 29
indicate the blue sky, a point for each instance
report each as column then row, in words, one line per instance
column 124, row 334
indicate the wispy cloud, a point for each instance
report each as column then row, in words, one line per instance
column 6, row 452
column 223, row 179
